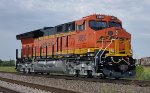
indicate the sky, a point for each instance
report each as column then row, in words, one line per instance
column 20, row 16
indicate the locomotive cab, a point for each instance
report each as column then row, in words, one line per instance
column 114, row 54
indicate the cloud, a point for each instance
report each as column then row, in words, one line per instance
column 19, row 16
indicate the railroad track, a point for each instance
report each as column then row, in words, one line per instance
column 6, row 90
column 31, row 85
column 140, row 83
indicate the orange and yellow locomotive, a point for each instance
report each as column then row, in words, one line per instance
column 96, row 45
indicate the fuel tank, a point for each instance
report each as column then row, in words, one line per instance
column 49, row 66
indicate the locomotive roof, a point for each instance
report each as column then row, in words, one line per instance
column 47, row 31
column 70, row 26
column 32, row 34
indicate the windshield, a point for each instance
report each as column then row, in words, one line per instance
column 98, row 25
column 115, row 24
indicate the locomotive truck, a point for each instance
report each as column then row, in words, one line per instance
column 95, row 45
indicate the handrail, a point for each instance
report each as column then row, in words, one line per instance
column 99, row 51
column 106, row 48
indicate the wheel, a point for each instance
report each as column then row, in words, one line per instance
column 77, row 73
column 103, row 76
column 35, row 72
column 27, row 70
column 24, row 71
column 47, row 73
column 117, row 78
column 89, row 73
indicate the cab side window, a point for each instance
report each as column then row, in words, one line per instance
column 81, row 27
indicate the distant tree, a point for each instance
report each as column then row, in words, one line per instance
column 7, row 63
column 1, row 62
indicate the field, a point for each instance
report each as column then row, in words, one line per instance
column 143, row 73
column 7, row 69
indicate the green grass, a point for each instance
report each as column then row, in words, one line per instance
column 146, row 74
column 142, row 73
column 7, row 69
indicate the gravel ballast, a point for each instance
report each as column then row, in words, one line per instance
column 20, row 88
column 77, row 85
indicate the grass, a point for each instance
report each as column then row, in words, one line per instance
column 146, row 74
column 142, row 73
column 7, row 69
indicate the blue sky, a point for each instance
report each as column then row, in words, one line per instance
column 19, row 16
